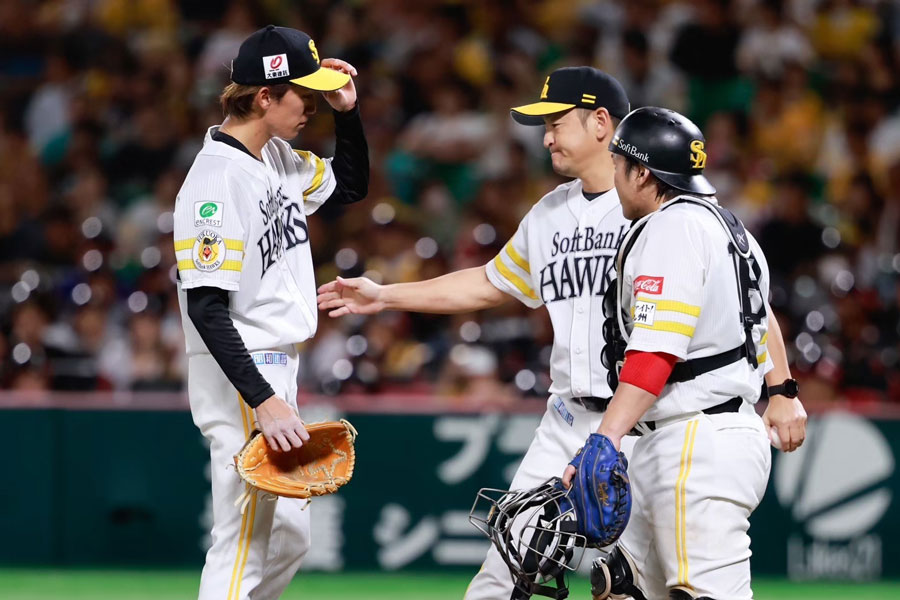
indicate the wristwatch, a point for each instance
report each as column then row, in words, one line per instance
column 789, row 388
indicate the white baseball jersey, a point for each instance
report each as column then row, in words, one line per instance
column 679, row 285
column 240, row 225
column 563, row 256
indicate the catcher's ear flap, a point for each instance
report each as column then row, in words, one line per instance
column 249, row 441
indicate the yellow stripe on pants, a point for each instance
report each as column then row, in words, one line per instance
column 237, row 560
column 245, row 418
column 246, row 534
column 687, row 454
column 252, row 511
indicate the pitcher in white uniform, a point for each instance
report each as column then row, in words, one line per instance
column 247, row 291
column 692, row 292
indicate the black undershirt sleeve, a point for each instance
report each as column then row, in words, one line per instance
column 208, row 311
column 351, row 158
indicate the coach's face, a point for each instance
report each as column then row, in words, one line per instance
column 286, row 116
column 570, row 141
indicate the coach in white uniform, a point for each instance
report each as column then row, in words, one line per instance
column 247, row 291
column 692, row 304
column 561, row 257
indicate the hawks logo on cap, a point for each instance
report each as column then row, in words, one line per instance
column 698, row 156
column 571, row 87
column 288, row 55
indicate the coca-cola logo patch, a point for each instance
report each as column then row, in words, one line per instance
column 648, row 285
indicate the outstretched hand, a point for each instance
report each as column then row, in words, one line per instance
column 355, row 296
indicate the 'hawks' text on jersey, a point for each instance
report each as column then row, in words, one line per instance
column 583, row 263
column 563, row 256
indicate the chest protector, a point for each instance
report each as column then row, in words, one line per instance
column 752, row 304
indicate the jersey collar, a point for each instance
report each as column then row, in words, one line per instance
column 228, row 145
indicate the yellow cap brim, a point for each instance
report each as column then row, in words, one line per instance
column 533, row 114
column 323, row 80
column 540, row 109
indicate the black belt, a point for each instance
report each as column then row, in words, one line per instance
column 593, row 403
column 729, row 406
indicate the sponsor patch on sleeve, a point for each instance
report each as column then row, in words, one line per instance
column 648, row 285
column 644, row 313
column 209, row 251
column 208, row 214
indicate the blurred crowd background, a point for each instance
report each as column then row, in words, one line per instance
column 104, row 103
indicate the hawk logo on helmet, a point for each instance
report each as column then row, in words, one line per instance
column 698, row 155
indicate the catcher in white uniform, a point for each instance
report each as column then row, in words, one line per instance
column 692, row 307
column 247, row 291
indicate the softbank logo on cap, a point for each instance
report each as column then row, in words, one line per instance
column 276, row 66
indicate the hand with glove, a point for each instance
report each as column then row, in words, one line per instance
column 320, row 466
column 280, row 424
column 600, row 491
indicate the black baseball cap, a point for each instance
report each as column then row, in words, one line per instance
column 283, row 55
column 575, row 87
column 668, row 144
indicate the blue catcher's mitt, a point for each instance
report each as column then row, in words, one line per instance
column 600, row 491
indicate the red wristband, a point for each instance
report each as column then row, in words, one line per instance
column 647, row 370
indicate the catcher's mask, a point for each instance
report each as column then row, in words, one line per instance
column 535, row 532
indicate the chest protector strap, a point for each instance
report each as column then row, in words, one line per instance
column 747, row 275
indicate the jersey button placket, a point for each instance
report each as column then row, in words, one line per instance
column 581, row 373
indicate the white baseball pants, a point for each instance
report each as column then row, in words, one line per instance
column 253, row 555
column 694, row 484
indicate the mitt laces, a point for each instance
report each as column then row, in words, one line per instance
column 244, row 499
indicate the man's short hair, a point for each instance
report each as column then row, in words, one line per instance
column 663, row 189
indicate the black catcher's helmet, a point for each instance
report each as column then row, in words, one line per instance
column 667, row 143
